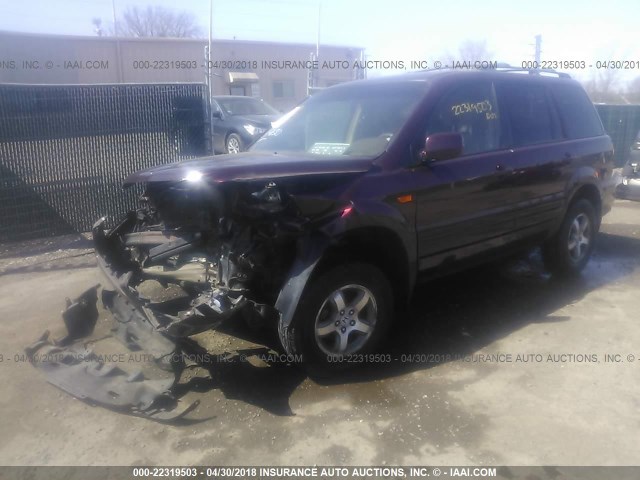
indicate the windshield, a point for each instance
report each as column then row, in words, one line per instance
column 356, row 120
column 245, row 106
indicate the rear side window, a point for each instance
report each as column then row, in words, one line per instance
column 579, row 117
column 472, row 111
column 531, row 117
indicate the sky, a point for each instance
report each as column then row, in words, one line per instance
column 398, row 30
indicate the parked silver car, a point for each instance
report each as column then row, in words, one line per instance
column 629, row 187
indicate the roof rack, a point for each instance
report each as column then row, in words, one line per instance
column 533, row 71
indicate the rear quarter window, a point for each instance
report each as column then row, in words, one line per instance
column 578, row 115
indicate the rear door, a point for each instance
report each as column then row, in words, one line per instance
column 533, row 131
column 463, row 204
column 586, row 145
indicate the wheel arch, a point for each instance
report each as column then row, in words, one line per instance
column 378, row 246
column 588, row 191
column 230, row 132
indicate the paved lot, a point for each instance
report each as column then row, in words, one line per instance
column 462, row 396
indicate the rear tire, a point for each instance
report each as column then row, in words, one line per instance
column 569, row 250
column 343, row 314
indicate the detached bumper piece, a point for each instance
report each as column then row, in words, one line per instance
column 70, row 366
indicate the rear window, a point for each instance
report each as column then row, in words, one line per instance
column 579, row 116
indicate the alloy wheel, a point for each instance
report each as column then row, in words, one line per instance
column 346, row 320
column 233, row 146
column 580, row 234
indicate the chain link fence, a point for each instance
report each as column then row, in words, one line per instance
column 64, row 150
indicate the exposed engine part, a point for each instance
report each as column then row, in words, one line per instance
column 228, row 264
column 209, row 311
column 194, row 272
column 172, row 247
column 148, row 238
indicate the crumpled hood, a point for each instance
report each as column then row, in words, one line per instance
column 250, row 166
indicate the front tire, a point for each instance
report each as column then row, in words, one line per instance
column 569, row 250
column 343, row 313
column 234, row 143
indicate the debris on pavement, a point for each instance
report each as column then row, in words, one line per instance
column 68, row 364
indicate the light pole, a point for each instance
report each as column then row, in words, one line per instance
column 118, row 51
column 318, row 31
column 210, row 77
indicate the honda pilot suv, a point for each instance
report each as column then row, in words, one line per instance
column 324, row 226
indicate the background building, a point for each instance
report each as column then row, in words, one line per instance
column 276, row 72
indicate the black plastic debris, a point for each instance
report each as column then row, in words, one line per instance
column 69, row 365
column 81, row 315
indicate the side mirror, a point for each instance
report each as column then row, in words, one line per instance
column 441, row 146
column 216, row 114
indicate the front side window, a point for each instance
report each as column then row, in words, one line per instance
column 531, row 118
column 245, row 106
column 471, row 111
column 353, row 120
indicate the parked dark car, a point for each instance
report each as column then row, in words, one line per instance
column 325, row 225
column 239, row 121
column 629, row 187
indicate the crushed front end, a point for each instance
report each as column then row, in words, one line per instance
column 195, row 255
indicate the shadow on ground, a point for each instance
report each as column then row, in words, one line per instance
column 62, row 243
column 449, row 318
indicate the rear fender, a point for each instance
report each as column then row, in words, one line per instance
column 592, row 184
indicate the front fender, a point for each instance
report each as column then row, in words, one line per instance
column 310, row 250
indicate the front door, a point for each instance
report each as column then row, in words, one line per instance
column 219, row 128
column 463, row 204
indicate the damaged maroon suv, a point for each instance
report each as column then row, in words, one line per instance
column 323, row 227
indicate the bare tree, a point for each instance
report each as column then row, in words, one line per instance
column 156, row 22
column 633, row 91
column 470, row 52
column 603, row 87
column 97, row 26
